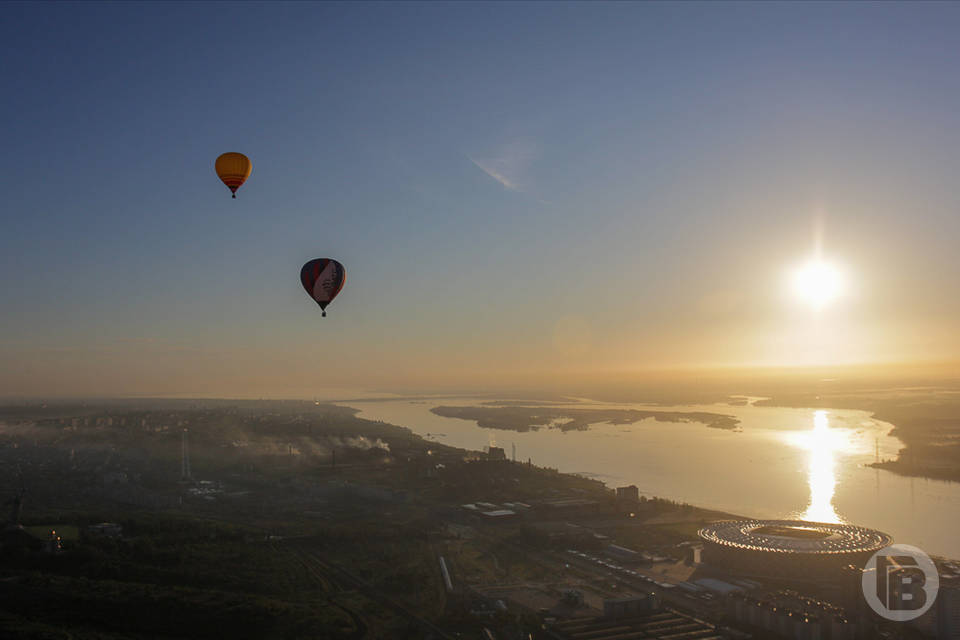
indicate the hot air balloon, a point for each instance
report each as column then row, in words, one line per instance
column 323, row 278
column 233, row 169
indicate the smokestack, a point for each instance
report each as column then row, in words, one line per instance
column 514, row 446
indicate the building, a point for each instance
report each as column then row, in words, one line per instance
column 788, row 615
column 568, row 507
column 693, row 554
column 499, row 515
column 663, row 624
column 718, row 587
column 630, row 607
column 948, row 610
column 623, row 554
column 629, row 494
column 811, row 551
column 496, row 453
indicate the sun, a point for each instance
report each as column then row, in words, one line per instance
column 818, row 283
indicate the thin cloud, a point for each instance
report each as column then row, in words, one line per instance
column 493, row 173
column 509, row 164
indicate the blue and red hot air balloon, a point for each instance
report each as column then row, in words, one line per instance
column 323, row 278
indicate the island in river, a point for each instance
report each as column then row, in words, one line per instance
column 520, row 418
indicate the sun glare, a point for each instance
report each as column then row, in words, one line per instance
column 818, row 283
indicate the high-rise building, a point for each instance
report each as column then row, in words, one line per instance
column 496, row 453
column 184, row 456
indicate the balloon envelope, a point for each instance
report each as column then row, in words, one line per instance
column 323, row 279
column 234, row 169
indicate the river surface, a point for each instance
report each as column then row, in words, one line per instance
column 779, row 463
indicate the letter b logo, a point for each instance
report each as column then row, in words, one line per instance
column 900, row 582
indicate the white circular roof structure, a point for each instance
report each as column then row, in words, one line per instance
column 795, row 536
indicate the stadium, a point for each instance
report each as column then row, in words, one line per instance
column 794, row 548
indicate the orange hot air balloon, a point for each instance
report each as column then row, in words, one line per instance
column 233, row 169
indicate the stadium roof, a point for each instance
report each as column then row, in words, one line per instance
column 794, row 536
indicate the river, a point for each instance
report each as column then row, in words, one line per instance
column 779, row 463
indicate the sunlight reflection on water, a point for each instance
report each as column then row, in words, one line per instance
column 824, row 445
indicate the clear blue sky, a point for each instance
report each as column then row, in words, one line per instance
column 511, row 187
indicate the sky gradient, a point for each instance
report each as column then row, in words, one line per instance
column 515, row 190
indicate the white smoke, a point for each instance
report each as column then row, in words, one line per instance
column 358, row 442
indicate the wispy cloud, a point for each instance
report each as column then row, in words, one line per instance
column 494, row 173
column 509, row 164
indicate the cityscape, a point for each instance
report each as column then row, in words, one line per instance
column 299, row 519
